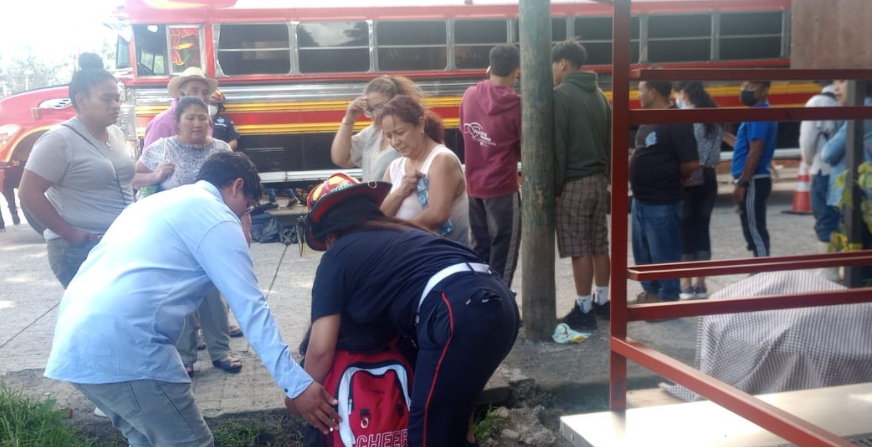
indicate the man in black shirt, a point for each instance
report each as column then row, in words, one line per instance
column 665, row 154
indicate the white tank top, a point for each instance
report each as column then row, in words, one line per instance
column 411, row 206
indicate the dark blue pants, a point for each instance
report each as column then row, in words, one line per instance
column 657, row 240
column 467, row 325
column 826, row 218
column 752, row 215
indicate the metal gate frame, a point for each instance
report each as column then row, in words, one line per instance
column 623, row 348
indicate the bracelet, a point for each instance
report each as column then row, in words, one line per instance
column 743, row 183
column 346, row 123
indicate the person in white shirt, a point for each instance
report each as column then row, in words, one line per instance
column 813, row 136
column 123, row 312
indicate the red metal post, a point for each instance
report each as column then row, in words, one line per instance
column 620, row 154
column 769, row 417
column 653, row 272
column 735, row 115
column 753, row 304
column 746, row 74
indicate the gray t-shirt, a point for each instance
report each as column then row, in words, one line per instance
column 188, row 159
column 366, row 152
column 90, row 180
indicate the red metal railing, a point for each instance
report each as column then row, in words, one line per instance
column 777, row 421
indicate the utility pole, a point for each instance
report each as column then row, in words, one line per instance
column 537, row 190
column 854, row 222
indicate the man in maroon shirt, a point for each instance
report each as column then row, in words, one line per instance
column 490, row 119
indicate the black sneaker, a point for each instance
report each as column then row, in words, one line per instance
column 604, row 311
column 580, row 321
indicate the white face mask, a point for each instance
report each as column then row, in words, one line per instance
column 213, row 110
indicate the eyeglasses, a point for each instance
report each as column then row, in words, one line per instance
column 372, row 109
column 252, row 204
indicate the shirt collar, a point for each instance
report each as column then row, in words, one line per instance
column 212, row 189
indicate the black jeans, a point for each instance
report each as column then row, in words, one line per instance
column 752, row 214
column 696, row 215
column 495, row 232
column 467, row 325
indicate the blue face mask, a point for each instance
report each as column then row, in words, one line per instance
column 682, row 105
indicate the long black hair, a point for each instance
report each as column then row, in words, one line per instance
column 700, row 99
column 91, row 73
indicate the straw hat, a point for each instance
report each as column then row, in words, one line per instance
column 190, row 73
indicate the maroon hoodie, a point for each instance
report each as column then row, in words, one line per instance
column 490, row 119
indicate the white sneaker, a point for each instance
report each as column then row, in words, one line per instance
column 99, row 413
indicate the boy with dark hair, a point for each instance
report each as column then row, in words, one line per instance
column 752, row 155
column 665, row 154
column 582, row 160
column 490, row 119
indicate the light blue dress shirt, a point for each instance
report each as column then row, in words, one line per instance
column 833, row 153
column 121, row 316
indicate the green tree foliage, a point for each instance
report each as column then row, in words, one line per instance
column 29, row 71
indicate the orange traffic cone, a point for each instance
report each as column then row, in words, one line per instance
column 802, row 193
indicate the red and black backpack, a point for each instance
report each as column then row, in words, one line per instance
column 374, row 394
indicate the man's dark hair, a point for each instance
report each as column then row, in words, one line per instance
column 223, row 168
column 504, row 59
column 572, row 51
column 662, row 87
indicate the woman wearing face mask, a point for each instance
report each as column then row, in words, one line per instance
column 699, row 197
column 77, row 178
column 172, row 162
column 429, row 188
column 368, row 149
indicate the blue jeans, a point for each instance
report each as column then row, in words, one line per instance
column 150, row 413
column 826, row 218
column 657, row 240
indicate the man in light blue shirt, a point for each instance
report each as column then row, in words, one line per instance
column 122, row 314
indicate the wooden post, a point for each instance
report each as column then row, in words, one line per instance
column 854, row 222
column 537, row 189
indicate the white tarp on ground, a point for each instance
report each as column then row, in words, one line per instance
column 784, row 350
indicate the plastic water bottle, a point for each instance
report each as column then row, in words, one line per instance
column 424, row 199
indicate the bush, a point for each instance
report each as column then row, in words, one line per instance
column 28, row 423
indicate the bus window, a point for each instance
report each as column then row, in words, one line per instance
column 412, row 45
column 755, row 35
column 595, row 33
column 333, row 47
column 254, row 49
column 150, row 42
column 473, row 40
column 558, row 30
column 185, row 45
column 675, row 38
column 122, row 53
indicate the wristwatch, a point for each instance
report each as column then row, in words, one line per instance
column 742, row 182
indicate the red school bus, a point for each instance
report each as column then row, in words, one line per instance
column 289, row 70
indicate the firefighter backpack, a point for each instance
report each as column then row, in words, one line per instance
column 373, row 390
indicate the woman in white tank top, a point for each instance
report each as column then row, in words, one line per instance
column 429, row 187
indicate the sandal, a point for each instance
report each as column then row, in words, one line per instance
column 230, row 365
column 235, row 331
column 189, row 368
